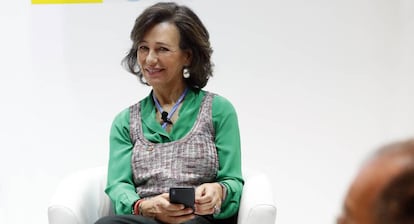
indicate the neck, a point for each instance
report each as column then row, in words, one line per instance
column 166, row 96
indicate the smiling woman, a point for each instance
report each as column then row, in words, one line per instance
column 177, row 136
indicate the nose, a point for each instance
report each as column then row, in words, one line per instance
column 151, row 58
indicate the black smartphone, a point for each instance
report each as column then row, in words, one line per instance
column 183, row 195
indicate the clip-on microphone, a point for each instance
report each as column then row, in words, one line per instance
column 164, row 117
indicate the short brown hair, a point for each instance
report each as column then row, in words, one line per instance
column 193, row 36
column 395, row 203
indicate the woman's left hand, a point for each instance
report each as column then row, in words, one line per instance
column 208, row 198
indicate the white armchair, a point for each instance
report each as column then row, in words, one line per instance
column 80, row 199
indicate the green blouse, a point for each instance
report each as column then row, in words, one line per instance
column 120, row 185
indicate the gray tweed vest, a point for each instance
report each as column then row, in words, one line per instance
column 189, row 161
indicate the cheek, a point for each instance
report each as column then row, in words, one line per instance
column 140, row 60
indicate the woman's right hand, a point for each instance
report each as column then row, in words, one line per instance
column 160, row 208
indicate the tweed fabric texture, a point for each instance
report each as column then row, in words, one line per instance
column 189, row 161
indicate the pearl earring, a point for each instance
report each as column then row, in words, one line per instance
column 186, row 73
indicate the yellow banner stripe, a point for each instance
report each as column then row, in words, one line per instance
column 64, row 1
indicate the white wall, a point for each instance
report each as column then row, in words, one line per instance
column 317, row 85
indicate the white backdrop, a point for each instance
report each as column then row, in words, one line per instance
column 317, row 85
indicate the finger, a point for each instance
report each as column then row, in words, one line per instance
column 182, row 212
column 204, row 196
column 203, row 200
column 174, row 207
column 162, row 201
column 166, row 196
column 204, row 210
column 200, row 190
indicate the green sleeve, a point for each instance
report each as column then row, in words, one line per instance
column 229, row 153
column 120, row 186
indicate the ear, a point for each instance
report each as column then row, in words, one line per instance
column 188, row 54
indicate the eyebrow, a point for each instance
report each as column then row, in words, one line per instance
column 157, row 43
column 162, row 43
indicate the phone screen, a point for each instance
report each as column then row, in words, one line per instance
column 183, row 195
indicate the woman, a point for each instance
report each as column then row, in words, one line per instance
column 179, row 135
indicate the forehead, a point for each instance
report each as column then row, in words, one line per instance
column 162, row 33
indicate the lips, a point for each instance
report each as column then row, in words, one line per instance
column 152, row 71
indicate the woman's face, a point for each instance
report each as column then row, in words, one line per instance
column 160, row 58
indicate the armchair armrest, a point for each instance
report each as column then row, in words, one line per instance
column 257, row 204
column 80, row 198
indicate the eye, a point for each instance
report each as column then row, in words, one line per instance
column 142, row 48
column 163, row 49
